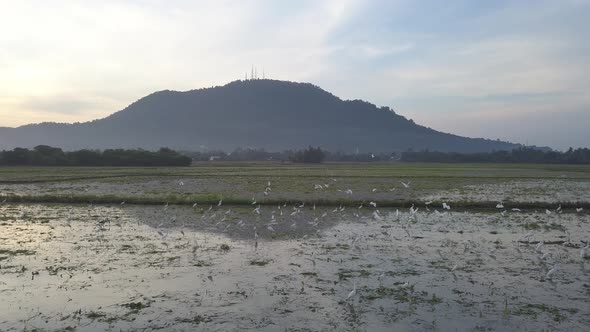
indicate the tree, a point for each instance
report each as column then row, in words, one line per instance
column 310, row 155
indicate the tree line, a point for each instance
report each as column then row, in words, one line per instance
column 519, row 155
column 43, row 155
column 315, row 155
column 309, row 155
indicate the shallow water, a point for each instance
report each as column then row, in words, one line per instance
column 178, row 268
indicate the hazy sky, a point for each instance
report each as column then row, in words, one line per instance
column 514, row 70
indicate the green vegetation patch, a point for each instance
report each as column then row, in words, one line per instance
column 534, row 310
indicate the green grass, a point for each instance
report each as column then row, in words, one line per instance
column 273, row 169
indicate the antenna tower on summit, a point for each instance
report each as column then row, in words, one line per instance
column 254, row 74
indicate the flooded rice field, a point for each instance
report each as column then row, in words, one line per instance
column 291, row 268
column 302, row 187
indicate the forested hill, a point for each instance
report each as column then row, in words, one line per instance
column 269, row 114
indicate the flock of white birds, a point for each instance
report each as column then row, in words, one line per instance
column 376, row 215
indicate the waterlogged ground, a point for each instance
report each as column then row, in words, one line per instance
column 336, row 183
column 294, row 268
column 532, row 190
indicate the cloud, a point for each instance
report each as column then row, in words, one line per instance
column 65, row 105
column 465, row 59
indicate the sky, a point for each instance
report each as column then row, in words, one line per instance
column 513, row 70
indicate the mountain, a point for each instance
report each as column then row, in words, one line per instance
column 269, row 114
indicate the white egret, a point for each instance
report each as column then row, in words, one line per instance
column 220, row 202
column 376, row 215
column 579, row 210
column 539, row 247
column 446, row 206
column 499, row 206
column 348, row 191
column 547, row 212
column 353, row 292
column 406, row 184
column 373, row 204
column 552, row 271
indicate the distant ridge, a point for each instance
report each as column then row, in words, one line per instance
column 260, row 113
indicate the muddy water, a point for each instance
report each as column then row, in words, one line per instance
column 95, row 268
